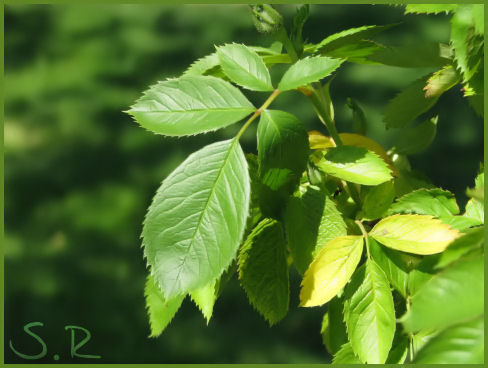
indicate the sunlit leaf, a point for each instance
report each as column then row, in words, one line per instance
column 430, row 8
column 190, row 105
column 197, row 218
column 418, row 234
column 160, row 310
column 346, row 355
column 244, row 67
column 308, row 70
column 376, row 200
column 369, row 313
column 330, row 270
column 205, row 298
column 441, row 81
column 472, row 239
column 354, row 164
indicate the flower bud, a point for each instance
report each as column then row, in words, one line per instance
column 266, row 19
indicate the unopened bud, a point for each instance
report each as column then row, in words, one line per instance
column 265, row 18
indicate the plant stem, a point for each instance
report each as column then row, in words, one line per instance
column 258, row 112
column 365, row 235
column 410, row 334
column 282, row 36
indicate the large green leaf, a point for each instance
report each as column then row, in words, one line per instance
column 312, row 220
column 421, row 273
column 263, row 270
column 197, row 218
column 473, row 239
column 418, row 234
column 408, row 104
column 308, row 70
column 417, row 55
column 346, row 355
column 416, row 139
column 244, row 67
column 369, row 314
column 348, row 37
column 376, row 200
column 330, row 270
column 453, row 295
column 205, row 298
column 435, row 202
column 460, row 344
column 160, row 310
column 354, row 164
column 393, row 265
column 280, row 167
column 190, row 105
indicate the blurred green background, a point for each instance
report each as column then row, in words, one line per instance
column 79, row 173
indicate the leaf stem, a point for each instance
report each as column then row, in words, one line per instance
column 365, row 235
column 258, row 112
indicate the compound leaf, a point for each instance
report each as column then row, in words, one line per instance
column 308, row 70
column 418, row 234
column 263, row 270
column 460, row 344
column 453, row 295
column 331, row 269
column 190, row 105
column 408, row 104
column 160, row 310
column 369, row 314
column 197, row 219
column 312, row 220
column 280, row 167
column 244, row 67
column 354, row 164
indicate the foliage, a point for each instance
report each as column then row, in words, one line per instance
column 195, row 225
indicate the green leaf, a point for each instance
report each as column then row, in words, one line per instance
column 441, row 81
column 333, row 329
column 369, row 314
column 330, row 270
column 453, row 295
column 460, row 344
column 418, row 234
column 408, row 104
column 421, row 338
column 280, row 167
column 197, row 218
column 359, row 122
column 308, row 70
column 472, row 239
column 299, row 20
column 392, row 264
column 356, row 52
column 244, row 67
column 190, row 105
column 475, row 208
column 160, row 310
column 354, row 164
column 263, row 270
column 312, row 220
column 417, row 55
column 205, row 298
column 430, row 8
column 435, row 202
column 466, row 40
column 376, row 200
column 423, row 272
column 349, row 36
column 408, row 181
column 416, row 139
column 346, row 355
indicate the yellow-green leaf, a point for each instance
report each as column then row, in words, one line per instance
column 331, row 269
column 418, row 234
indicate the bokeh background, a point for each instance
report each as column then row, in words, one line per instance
column 79, row 173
